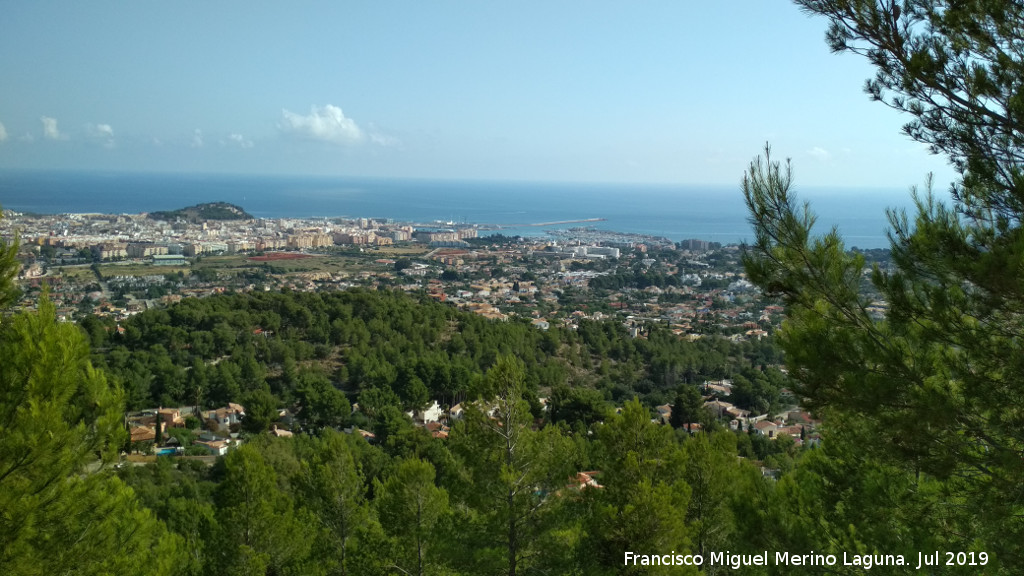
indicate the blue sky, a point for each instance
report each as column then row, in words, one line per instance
column 653, row 91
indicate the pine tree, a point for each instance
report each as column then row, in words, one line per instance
column 61, row 509
column 257, row 520
column 938, row 380
column 512, row 474
column 332, row 487
column 644, row 499
column 709, row 474
column 410, row 506
column 687, row 407
column 8, row 270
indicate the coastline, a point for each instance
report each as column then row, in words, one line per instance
column 677, row 212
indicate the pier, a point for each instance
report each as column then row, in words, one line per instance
column 557, row 223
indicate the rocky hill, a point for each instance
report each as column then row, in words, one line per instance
column 207, row 211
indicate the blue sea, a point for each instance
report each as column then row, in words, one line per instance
column 715, row 212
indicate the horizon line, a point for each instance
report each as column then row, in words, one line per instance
column 494, row 180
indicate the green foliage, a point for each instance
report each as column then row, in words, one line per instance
column 324, row 406
column 327, row 503
column 709, row 474
column 9, row 266
column 394, row 430
column 934, row 382
column 931, row 380
column 332, row 487
column 60, row 421
column 756, row 391
column 952, row 67
column 257, row 521
column 217, row 349
column 410, row 507
column 637, row 278
column 260, row 411
column 207, row 211
column 180, row 497
column 688, row 407
column 323, row 502
column 577, row 405
column 644, row 500
column 93, row 525
column 402, row 263
column 511, row 475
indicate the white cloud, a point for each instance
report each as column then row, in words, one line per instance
column 197, row 138
column 380, row 138
column 819, row 153
column 240, row 141
column 50, row 130
column 101, row 133
column 383, row 139
column 3, row 132
column 327, row 123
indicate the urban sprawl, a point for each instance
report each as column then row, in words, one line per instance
column 120, row 265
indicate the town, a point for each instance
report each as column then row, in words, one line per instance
column 117, row 266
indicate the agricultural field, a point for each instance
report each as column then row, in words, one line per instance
column 288, row 262
column 79, row 274
column 133, row 268
column 410, row 251
column 346, row 262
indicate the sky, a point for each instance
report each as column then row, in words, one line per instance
column 649, row 92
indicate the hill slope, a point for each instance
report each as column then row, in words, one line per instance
column 206, row 211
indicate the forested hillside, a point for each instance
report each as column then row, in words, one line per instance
column 377, row 347
column 511, row 488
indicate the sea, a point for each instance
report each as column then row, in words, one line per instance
column 674, row 211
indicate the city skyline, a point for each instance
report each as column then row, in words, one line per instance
column 660, row 92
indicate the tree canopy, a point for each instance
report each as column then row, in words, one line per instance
column 61, row 509
column 934, row 386
column 9, row 266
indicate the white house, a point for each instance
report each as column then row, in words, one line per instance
column 431, row 413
